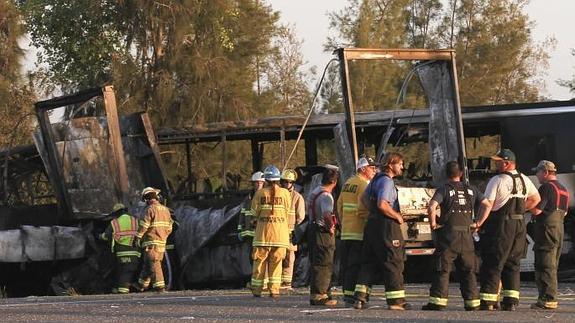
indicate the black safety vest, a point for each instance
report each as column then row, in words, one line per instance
column 515, row 206
column 457, row 208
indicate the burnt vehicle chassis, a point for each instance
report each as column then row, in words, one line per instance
column 58, row 193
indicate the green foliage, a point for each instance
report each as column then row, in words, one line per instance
column 497, row 59
column 283, row 75
column 77, row 40
column 185, row 62
column 16, row 97
column 375, row 24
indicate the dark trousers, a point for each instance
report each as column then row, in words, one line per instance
column 126, row 270
column 350, row 265
column 382, row 255
column 548, row 236
column 465, row 265
column 501, row 251
column 322, row 248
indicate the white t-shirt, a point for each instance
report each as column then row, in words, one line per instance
column 499, row 189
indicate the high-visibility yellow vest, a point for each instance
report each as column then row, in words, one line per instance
column 351, row 210
column 124, row 229
column 271, row 212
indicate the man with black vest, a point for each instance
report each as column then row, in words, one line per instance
column 454, row 239
column 548, row 233
column 503, row 232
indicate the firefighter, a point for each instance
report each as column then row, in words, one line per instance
column 353, row 215
column 246, row 223
column 296, row 214
column 321, row 238
column 121, row 233
column 548, row 233
column 270, row 207
column 153, row 233
column 502, row 232
column 454, row 239
column 383, row 245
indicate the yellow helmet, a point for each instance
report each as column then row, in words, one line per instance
column 117, row 207
column 289, row 175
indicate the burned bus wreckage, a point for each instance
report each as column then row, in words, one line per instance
column 57, row 193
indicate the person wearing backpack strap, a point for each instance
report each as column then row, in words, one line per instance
column 548, row 233
column 454, row 239
column 503, row 240
column 321, row 238
column 383, row 250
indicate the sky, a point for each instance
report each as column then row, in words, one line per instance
column 551, row 18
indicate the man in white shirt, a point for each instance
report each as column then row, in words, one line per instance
column 502, row 230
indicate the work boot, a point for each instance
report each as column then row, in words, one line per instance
column 160, row 290
column 488, row 306
column 541, row 305
column 432, row 307
column 471, row 309
column 508, row 307
column 348, row 301
column 323, row 302
column 275, row 296
column 138, row 288
column 360, row 305
column 286, row 286
column 399, row 307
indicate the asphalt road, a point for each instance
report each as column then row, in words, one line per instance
column 239, row 305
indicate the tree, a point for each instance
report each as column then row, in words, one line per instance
column 76, row 40
column 16, row 97
column 373, row 24
column 497, row 59
column 283, row 74
column 183, row 61
column 569, row 83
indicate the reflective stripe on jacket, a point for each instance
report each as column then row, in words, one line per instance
column 156, row 225
column 271, row 212
column 353, row 214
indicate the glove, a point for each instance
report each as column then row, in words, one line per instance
column 136, row 242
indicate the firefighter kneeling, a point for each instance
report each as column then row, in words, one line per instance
column 454, row 240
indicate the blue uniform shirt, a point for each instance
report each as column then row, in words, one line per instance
column 384, row 189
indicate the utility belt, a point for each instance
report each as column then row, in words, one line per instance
column 458, row 228
column 515, row 216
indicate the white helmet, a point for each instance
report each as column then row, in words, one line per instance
column 258, row 177
column 149, row 190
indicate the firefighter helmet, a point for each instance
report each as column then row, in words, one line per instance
column 289, row 175
column 272, row 173
column 257, row 177
column 117, row 207
column 148, row 190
